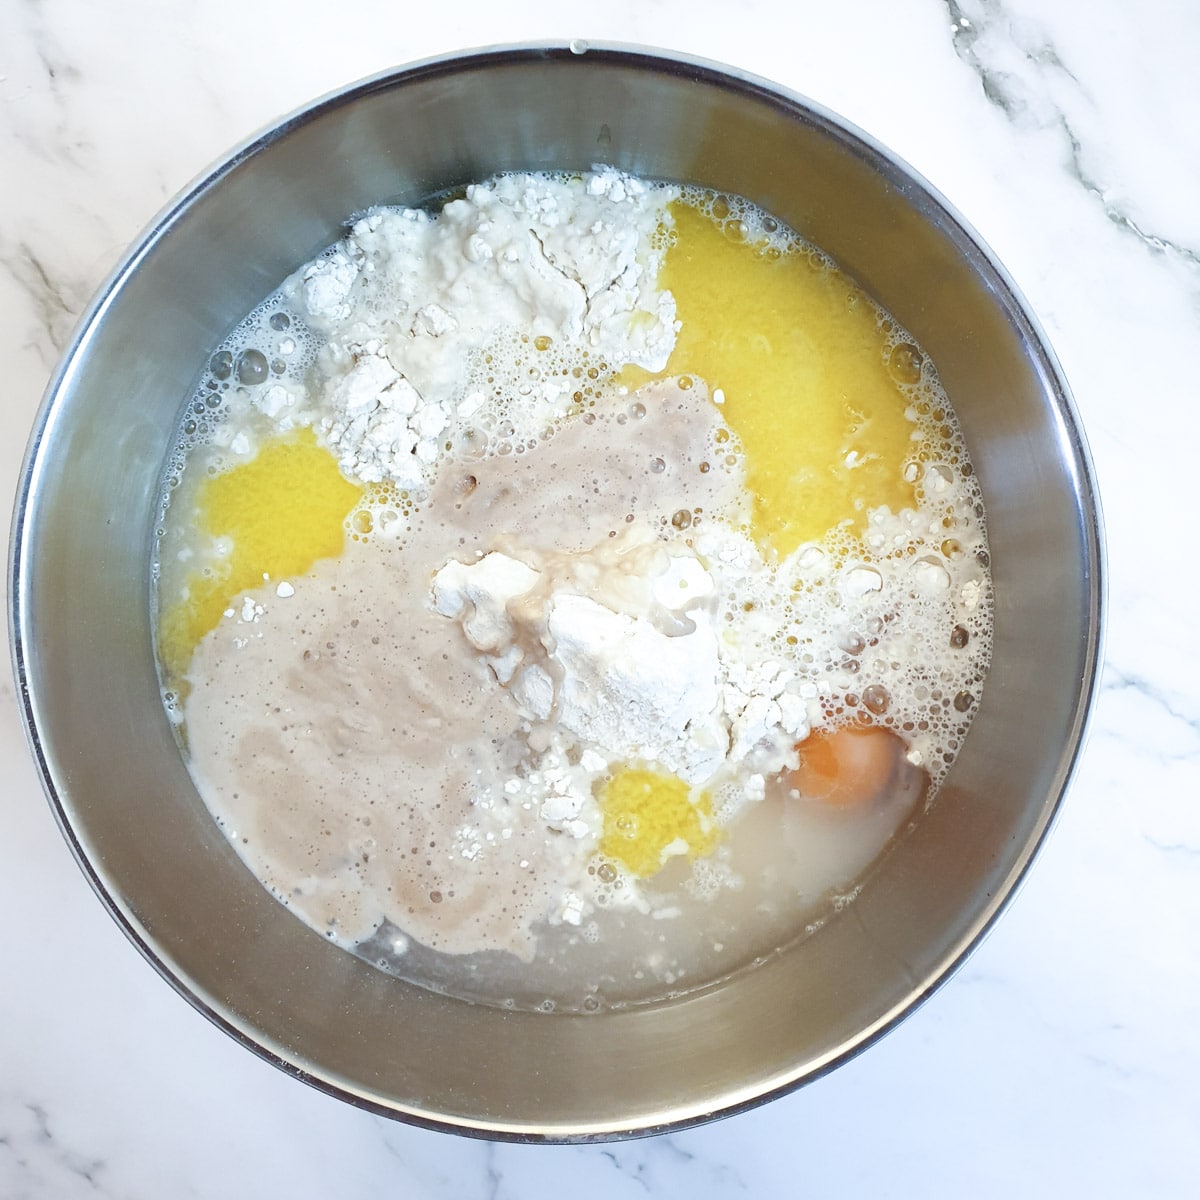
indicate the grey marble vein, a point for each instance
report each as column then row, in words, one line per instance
column 474, row 1169
column 52, row 301
column 59, row 70
column 1184, row 849
column 637, row 1173
column 1025, row 106
column 1118, row 680
column 54, row 78
column 721, row 1172
column 651, row 1162
column 1115, row 214
column 44, row 1165
column 493, row 1175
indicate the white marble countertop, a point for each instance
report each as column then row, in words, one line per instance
column 1064, row 1058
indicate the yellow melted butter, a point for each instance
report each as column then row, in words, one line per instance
column 798, row 351
column 650, row 817
column 281, row 513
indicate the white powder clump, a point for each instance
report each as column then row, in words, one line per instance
column 623, row 688
column 498, row 292
column 479, row 594
column 613, row 679
column 644, row 695
column 325, row 286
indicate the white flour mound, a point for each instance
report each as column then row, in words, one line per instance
column 427, row 316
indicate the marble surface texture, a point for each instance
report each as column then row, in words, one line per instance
column 1064, row 1057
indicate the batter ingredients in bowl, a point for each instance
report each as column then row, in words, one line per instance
column 565, row 595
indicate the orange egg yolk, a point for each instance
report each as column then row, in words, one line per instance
column 848, row 767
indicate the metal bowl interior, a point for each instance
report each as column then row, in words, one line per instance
column 81, row 618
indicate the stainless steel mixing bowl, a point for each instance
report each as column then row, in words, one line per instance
column 80, row 589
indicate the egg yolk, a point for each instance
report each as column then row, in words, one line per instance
column 799, row 354
column 848, row 767
column 651, row 817
column 280, row 513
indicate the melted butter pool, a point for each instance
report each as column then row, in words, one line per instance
column 801, row 357
column 270, row 518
